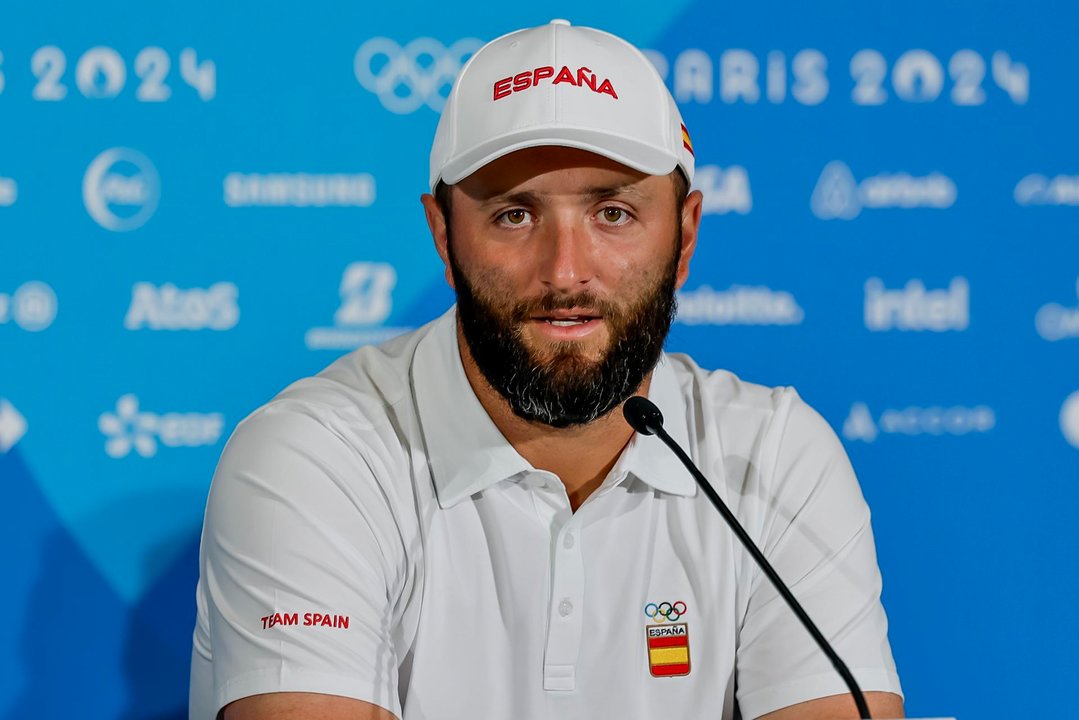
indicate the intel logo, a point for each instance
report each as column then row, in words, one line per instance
column 121, row 189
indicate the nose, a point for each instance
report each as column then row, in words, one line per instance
column 568, row 257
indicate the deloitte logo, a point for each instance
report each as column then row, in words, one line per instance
column 958, row 420
column 724, row 190
column 130, row 429
column 121, row 189
column 740, row 305
column 366, row 302
column 838, row 196
column 32, row 306
column 1056, row 322
column 1069, row 419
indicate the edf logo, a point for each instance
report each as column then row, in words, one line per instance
column 121, row 189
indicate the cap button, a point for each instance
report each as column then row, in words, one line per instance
column 559, row 21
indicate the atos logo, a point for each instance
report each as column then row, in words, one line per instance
column 121, row 189
column 407, row 78
column 860, row 424
column 32, row 306
column 740, row 305
column 913, row 308
column 839, row 196
column 1069, row 419
column 366, row 302
column 724, row 190
column 130, row 429
column 9, row 191
column 1056, row 322
column 170, row 308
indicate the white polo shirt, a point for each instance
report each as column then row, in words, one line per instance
column 370, row 533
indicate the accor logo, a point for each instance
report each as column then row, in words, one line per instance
column 583, row 78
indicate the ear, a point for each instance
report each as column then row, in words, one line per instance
column 436, row 223
column 691, row 224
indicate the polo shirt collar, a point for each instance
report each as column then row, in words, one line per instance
column 467, row 453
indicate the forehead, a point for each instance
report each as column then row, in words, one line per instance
column 553, row 170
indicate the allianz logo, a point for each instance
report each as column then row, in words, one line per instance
column 839, row 196
column 121, row 189
column 32, row 306
column 739, row 305
column 299, row 190
column 168, row 307
column 130, row 429
column 914, row 308
column 366, row 292
column 1038, row 189
column 958, row 420
column 1069, row 419
column 9, row 191
column 1057, row 322
column 724, row 190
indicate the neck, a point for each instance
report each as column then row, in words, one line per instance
column 581, row 456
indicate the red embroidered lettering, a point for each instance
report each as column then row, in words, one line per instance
column 564, row 75
column 522, row 81
column 542, row 72
column 586, row 77
column 502, row 88
column 606, row 87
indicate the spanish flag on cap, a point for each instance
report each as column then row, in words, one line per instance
column 686, row 142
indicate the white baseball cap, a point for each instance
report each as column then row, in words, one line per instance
column 558, row 84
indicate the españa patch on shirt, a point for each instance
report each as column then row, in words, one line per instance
column 668, row 644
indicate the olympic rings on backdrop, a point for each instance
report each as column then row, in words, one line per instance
column 665, row 611
column 404, row 78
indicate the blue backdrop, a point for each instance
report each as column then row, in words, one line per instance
column 200, row 202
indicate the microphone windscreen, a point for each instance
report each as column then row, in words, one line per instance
column 642, row 415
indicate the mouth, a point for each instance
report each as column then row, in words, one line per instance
column 571, row 321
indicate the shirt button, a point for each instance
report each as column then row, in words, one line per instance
column 567, row 541
column 565, row 607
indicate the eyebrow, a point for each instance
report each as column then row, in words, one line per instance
column 598, row 192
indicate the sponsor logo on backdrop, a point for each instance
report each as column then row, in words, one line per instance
column 12, row 425
column 737, row 75
column 101, row 74
column 1042, row 190
column 299, row 190
column 1057, row 322
column 407, row 78
column 1069, row 419
column 129, row 428
column 838, row 196
column 9, row 191
column 958, row 420
column 366, row 302
column 725, row 190
column 913, row 308
column 32, row 306
column 738, row 305
column 168, row 307
column 121, row 189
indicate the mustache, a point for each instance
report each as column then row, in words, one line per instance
column 550, row 302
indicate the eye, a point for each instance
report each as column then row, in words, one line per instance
column 614, row 215
column 516, row 216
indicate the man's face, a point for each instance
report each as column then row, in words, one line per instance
column 565, row 266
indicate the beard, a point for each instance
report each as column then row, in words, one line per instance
column 565, row 388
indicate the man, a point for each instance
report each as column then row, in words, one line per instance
column 460, row 524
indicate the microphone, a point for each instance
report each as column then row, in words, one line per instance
column 644, row 417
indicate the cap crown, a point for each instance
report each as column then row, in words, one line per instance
column 559, row 85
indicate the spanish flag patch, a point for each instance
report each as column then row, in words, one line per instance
column 686, row 142
column 668, row 649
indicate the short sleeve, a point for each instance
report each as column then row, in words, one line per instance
column 302, row 565
column 815, row 530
